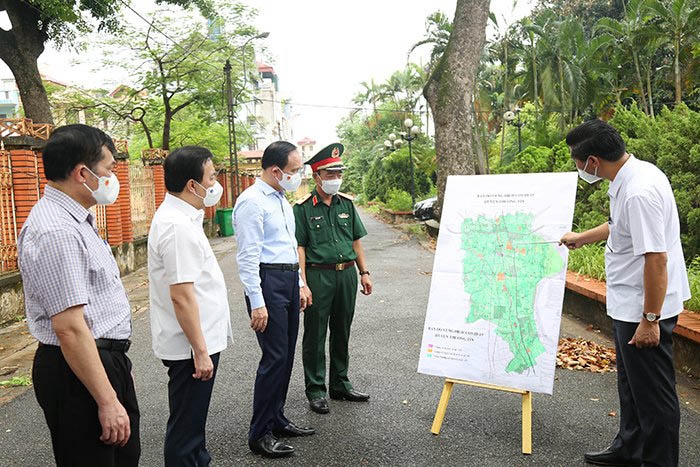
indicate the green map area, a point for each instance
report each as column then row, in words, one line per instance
column 501, row 269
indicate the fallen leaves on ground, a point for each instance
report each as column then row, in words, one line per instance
column 580, row 354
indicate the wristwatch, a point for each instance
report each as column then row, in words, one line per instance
column 652, row 317
column 362, row 273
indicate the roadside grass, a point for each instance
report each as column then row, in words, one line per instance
column 16, row 381
column 590, row 261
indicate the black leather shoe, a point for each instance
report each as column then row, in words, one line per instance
column 608, row 457
column 292, row 430
column 352, row 396
column 269, row 446
column 319, row 405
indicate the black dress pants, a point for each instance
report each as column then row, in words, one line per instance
column 649, row 409
column 71, row 411
column 185, row 440
column 277, row 342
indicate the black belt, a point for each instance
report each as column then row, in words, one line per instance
column 280, row 266
column 333, row 266
column 113, row 345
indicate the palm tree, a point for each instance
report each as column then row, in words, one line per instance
column 370, row 94
column 680, row 21
column 628, row 36
column 438, row 28
column 403, row 87
column 532, row 31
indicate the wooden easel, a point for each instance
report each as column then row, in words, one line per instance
column 527, row 408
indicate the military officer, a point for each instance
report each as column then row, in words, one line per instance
column 328, row 231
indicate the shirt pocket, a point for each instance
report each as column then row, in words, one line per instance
column 345, row 228
column 102, row 268
column 319, row 231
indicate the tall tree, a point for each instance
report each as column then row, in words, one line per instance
column 35, row 22
column 627, row 36
column 449, row 92
column 680, row 20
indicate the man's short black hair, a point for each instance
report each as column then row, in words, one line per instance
column 277, row 154
column 71, row 145
column 595, row 138
column 184, row 164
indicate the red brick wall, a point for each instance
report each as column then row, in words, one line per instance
column 124, row 200
column 25, row 182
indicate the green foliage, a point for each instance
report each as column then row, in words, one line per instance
column 394, row 172
column 589, row 260
column 398, row 200
column 176, row 96
column 672, row 142
column 694, row 278
column 16, row 381
column 372, row 169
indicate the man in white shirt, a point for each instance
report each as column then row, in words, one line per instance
column 647, row 284
column 190, row 319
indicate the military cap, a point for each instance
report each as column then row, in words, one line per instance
column 328, row 158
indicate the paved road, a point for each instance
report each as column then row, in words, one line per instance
column 482, row 428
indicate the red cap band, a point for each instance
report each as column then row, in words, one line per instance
column 324, row 162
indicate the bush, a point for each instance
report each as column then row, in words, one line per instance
column 398, row 200
column 394, row 172
column 694, row 279
column 672, row 142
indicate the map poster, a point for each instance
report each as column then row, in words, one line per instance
column 498, row 280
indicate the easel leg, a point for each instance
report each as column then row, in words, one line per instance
column 527, row 423
column 442, row 407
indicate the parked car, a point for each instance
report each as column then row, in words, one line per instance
column 423, row 210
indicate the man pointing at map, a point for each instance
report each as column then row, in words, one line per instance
column 647, row 284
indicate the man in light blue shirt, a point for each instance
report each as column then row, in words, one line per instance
column 268, row 266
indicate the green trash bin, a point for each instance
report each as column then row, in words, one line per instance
column 224, row 217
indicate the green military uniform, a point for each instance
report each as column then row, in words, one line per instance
column 327, row 233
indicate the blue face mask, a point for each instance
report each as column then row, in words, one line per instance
column 586, row 177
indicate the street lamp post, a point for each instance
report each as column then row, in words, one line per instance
column 393, row 143
column 509, row 117
column 230, row 100
column 411, row 134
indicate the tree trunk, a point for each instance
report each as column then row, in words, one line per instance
column 534, row 75
column 167, row 120
column 651, row 100
column 639, row 80
column 677, row 67
column 449, row 92
column 563, row 110
column 20, row 47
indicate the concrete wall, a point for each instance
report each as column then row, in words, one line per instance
column 129, row 256
column 11, row 298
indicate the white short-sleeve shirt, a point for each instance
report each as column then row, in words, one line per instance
column 643, row 219
column 179, row 252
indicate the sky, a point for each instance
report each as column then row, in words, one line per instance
column 321, row 51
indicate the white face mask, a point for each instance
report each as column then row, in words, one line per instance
column 331, row 187
column 585, row 176
column 213, row 195
column 290, row 182
column 107, row 188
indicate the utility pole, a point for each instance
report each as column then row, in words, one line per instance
column 232, row 153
